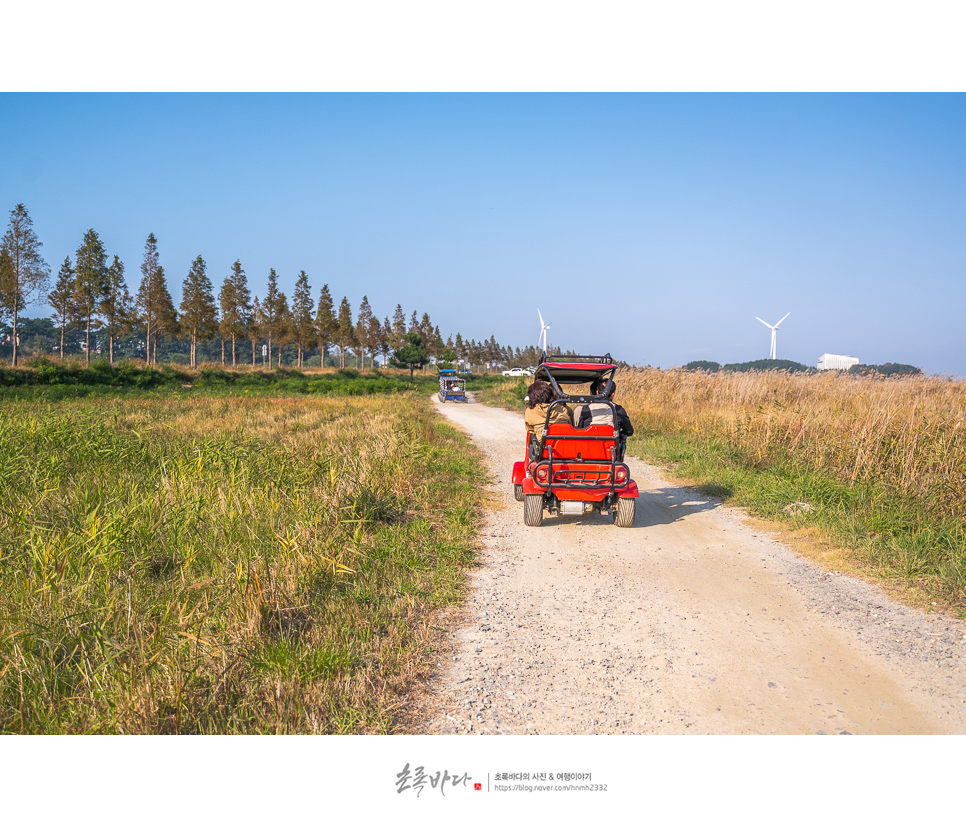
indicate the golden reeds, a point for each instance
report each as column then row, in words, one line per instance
column 906, row 434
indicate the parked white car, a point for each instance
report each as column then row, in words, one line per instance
column 515, row 372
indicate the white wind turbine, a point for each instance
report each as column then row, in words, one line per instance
column 543, row 331
column 774, row 331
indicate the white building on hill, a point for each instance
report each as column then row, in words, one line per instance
column 834, row 362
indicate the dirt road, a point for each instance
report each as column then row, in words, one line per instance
column 691, row 621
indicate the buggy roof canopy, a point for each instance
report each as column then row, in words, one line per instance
column 575, row 370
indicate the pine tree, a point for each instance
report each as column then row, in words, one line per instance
column 325, row 322
column 61, row 298
column 236, row 308
column 90, row 285
column 344, row 333
column 270, row 311
column 256, row 326
column 437, row 347
column 282, row 325
column 425, row 330
column 165, row 317
column 398, row 327
column 374, row 336
column 6, row 281
column 385, row 340
column 363, row 330
column 116, row 305
column 145, row 301
column 199, row 319
column 412, row 354
column 303, row 324
column 26, row 276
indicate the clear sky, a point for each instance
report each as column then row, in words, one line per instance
column 653, row 226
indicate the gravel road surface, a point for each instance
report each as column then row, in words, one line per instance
column 690, row 621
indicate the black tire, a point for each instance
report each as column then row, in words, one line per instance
column 533, row 510
column 518, row 491
column 624, row 514
column 440, row 397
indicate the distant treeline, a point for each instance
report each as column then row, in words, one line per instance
column 95, row 314
column 888, row 369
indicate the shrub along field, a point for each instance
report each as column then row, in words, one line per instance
column 216, row 560
column 880, row 462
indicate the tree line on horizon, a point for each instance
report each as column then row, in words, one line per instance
column 93, row 305
column 888, row 369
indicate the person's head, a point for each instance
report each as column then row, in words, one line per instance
column 599, row 388
column 539, row 392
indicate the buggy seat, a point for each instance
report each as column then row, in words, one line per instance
column 594, row 443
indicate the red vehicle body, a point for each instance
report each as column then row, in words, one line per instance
column 574, row 471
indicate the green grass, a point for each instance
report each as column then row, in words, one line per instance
column 887, row 536
column 502, row 392
column 43, row 379
column 198, row 563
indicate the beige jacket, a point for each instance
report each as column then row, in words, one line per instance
column 535, row 417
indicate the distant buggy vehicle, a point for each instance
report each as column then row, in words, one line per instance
column 451, row 387
column 573, row 471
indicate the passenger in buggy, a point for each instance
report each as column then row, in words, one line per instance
column 600, row 414
column 539, row 396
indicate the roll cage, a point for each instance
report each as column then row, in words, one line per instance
column 552, row 447
column 451, row 387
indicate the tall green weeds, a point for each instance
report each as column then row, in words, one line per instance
column 202, row 564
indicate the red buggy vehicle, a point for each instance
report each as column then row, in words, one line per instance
column 573, row 471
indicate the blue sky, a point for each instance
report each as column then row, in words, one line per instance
column 654, row 226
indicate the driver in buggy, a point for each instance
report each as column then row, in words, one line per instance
column 600, row 414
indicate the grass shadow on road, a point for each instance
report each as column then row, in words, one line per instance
column 670, row 504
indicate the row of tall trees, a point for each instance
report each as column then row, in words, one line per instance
column 23, row 272
column 91, row 294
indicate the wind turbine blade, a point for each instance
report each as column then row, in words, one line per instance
column 542, row 325
column 763, row 322
column 783, row 318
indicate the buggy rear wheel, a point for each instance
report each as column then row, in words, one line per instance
column 624, row 514
column 533, row 510
column 518, row 491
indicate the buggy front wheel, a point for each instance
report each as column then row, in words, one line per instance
column 533, row 510
column 518, row 491
column 624, row 514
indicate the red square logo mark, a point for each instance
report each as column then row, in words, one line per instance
column 477, row 786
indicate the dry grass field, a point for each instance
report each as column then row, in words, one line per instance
column 880, row 462
column 905, row 435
